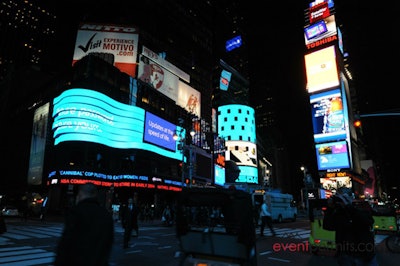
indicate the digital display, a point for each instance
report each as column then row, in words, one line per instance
column 233, row 43
column 320, row 30
column 328, row 116
column 315, row 30
column 159, row 132
column 219, row 175
column 225, row 79
column 87, row 115
column 248, row 174
column 332, row 155
column 321, row 69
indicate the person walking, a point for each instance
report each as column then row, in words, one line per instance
column 88, row 233
column 266, row 219
column 130, row 221
column 354, row 236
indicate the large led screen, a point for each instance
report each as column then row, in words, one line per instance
column 219, row 175
column 328, row 116
column 248, row 174
column 321, row 69
column 38, row 145
column 333, row 183
column 241, row 152
column 237, row 122
column 318, row 11
column 332, row 155
column 87, row 115
column 320, row 30
column 315, row 30
column 159, row 132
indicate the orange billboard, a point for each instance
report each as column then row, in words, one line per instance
column 321, row 69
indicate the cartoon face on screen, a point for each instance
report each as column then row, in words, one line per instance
column 156, row 76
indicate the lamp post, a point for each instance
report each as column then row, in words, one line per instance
column 305, row 193
column 180, row 136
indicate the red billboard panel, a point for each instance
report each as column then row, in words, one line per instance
column 318, row 12
column 116, row 44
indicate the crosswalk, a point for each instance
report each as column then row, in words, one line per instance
column 25, row 256
column 12, row 254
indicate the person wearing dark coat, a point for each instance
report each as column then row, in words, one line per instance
column 130, row 221
column 354, row 236
column 88, row 233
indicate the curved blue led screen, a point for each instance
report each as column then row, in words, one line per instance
column 247, row 174
column 87, row 115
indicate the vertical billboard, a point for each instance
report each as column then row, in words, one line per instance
column 158, row 77
column 189, row 98
column 118, row 44
column 332, row 155
column 38, row 145
column 236, row 124
column 321, row 69
column 328, row 116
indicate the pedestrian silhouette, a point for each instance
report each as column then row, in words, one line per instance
column 88, row 233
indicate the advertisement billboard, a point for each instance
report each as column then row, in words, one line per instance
column 236, row 122
column 333, row 155
column 321, row 69
column 165, row 64
column 159, row 132
column 38, row 145
column 116, row 43
column 320, row 30
column 158, row 77
column 319, row 10
column 328, row 116
column 241, row 152
column 189, row 98
column 333, row 183
column 87, row 115
column 219, row 175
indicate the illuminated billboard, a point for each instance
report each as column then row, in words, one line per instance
column 333, row 183
column 321, row 69
column 233, row 43
column 315, row 30
column 241, row 152
column 158, row 77
column 328, row 116
column 189, row 98
column 320, row 30
column 87, row 115
column 333, row 155
column 236, row 124
column 224, row 80
column 117, row 43
column 219, row 175
column 38, row 145
column 159, row 132
column 319, row 10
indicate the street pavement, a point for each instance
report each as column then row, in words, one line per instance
column 33, row 243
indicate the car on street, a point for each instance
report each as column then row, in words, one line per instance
column 9, row 210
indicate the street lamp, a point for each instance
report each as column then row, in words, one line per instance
column 180, row 135
column 305, row 193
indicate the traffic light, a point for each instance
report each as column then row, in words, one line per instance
column 357, row 123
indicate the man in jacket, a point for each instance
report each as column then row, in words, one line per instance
column 88, row 232
column 266, row 219
column 130, row 221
